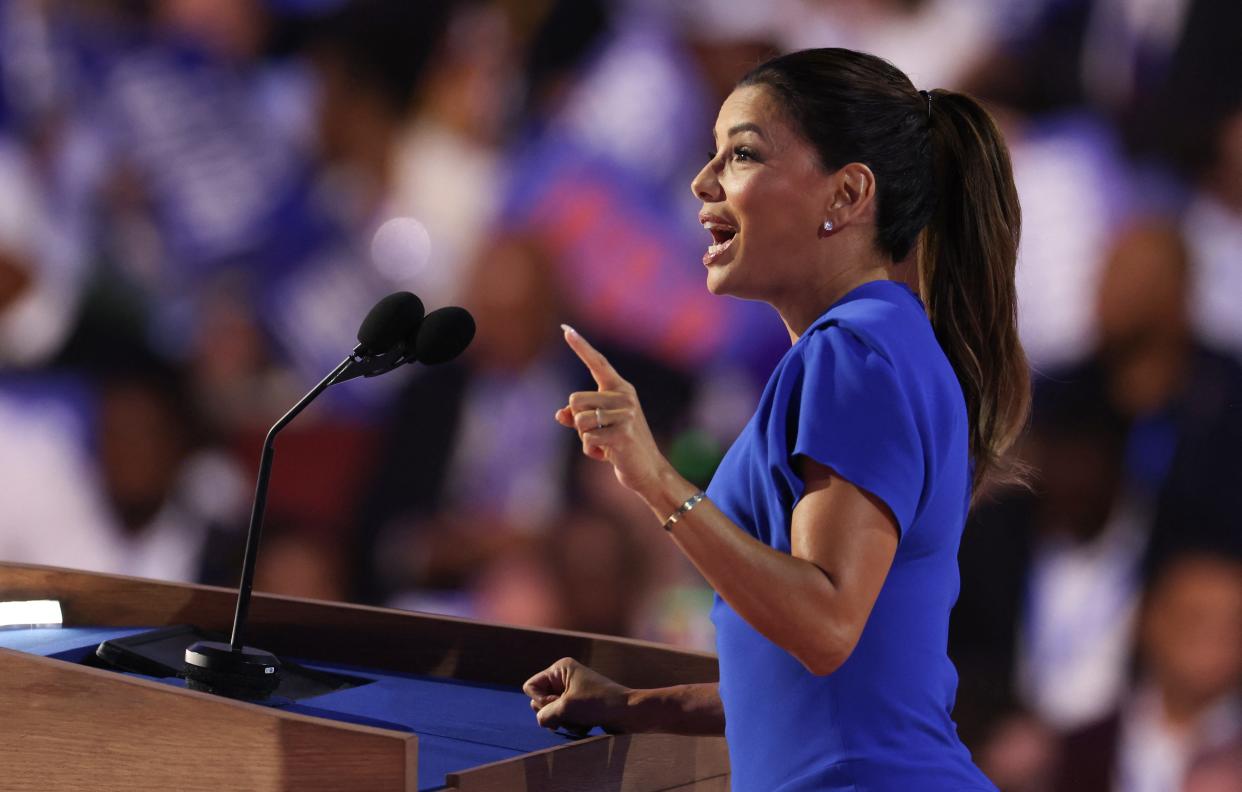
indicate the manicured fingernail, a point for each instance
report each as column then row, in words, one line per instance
column 569, row 330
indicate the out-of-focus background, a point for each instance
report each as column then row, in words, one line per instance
column 190, row 194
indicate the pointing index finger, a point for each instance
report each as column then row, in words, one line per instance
column 605, row 376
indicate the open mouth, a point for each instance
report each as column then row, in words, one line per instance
column 722, row 239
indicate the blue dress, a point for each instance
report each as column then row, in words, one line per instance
column 868, row 392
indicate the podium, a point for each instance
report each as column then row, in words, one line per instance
column 444, row 693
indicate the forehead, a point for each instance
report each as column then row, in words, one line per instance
column 754, row 104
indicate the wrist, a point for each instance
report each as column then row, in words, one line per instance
column 666, row 491
column 636, row 715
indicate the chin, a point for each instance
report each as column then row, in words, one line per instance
column 722, row 282
column 722, row 277
column 718, row 282
column 713, row 284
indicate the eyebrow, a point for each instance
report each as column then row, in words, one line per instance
column 745, row 126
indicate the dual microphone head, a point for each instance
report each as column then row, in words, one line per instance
column 396, row 331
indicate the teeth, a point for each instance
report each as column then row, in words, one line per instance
column 719, row 247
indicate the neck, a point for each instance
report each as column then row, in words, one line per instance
column 1150, row 384
column 800, row 309
column 1182, row 710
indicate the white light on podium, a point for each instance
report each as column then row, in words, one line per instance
column 31, row 613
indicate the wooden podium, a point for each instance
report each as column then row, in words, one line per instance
column 65, row 725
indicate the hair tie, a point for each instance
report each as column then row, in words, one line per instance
column 928, row 95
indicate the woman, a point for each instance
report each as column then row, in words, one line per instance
column 831, row 528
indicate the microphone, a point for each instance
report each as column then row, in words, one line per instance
column 437, row 338
column 444, row 335
column 390, row 330
column 385, row 338
column 392, row 321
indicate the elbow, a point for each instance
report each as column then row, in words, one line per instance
column 829, row 652
column 823, row 663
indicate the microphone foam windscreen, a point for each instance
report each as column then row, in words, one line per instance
column 445, row 334
column 393, row 319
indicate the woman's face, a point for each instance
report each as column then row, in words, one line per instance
column 764, row 198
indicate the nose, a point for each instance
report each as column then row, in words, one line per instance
column 705, row 186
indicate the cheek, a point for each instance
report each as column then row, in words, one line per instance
column 775, row 215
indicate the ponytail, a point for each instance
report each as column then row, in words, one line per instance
column 966, row 275
column 945, row 185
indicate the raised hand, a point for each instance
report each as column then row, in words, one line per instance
column 610, row 421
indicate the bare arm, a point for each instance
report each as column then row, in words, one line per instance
column 812, row 602
column 572, row 695
column 682, row 709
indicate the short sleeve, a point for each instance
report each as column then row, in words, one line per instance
column 854, row 417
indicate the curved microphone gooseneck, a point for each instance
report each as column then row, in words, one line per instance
column 390, row 329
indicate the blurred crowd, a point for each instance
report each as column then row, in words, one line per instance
column 190, row 191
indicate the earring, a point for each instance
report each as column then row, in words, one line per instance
column 827, row 225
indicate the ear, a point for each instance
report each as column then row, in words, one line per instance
column 851, row 195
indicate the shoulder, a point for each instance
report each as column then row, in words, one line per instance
column 884, row 316
column 873, row 337
column 886, row 330
column 850, row 362
column 851, row 412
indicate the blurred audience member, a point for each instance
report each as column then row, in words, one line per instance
column 474, row 465
column 600, row 571
column 1022, row 754
column 236, row 384
column 1141, row 449
column 516, row 587
column 41, row 268
column 1073, row 186
column 1213, row 229
column 1181, row 395
column 1187, row 699
column 1081, row 587
column 370, row 59
column 180, row 95
column 1144, row 338
column 299, row 563
column 1042, row 628
column 1155, row 69
column 588, row 572
column 448, row 168
column 674, row 604
column 314, row 278
column 133, row 492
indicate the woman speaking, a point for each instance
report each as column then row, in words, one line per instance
column 881, row 222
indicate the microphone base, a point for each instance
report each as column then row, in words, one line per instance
column 248, row 674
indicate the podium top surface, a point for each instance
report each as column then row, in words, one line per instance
column 459, row 725
column 443, row 707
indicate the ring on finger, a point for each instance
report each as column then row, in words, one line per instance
column 599, row 418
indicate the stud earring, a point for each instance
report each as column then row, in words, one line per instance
column 827, row 225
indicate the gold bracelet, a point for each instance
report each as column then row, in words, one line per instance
column 683, row 508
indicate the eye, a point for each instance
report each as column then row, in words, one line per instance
column 744, row 154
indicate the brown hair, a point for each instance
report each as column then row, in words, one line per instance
column 943, row 183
